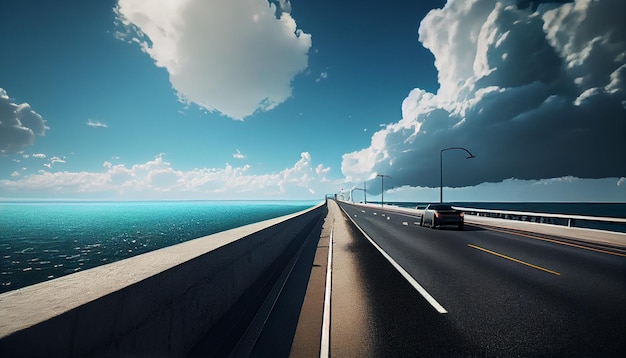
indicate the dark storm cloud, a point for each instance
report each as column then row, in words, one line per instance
column 18, row 124
column 531, row 95
column 534, row 4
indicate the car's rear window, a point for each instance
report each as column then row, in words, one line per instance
column 440, row 207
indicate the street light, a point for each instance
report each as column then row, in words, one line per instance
column 352, row 193
column 364, row 193
column 470, row 156
column 382, row 190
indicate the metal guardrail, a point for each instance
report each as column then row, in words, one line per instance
column 547, row 218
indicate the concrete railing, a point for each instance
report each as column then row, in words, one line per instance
column 498, row 218
column 606, row 223
column 157, row 304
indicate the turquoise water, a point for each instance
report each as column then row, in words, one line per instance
column 40, row 241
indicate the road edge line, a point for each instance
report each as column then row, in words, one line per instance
column 433, row 302
column 325, row 341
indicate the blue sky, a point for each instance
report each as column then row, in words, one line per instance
column 127, row 100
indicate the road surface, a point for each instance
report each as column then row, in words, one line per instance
column 494, row 293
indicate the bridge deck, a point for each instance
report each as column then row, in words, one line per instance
column 373, row 308
column 375, row 312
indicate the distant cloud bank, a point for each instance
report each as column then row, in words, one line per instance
column 19, row 125
column 532, row 95
column 159, row 179
column 235, row 56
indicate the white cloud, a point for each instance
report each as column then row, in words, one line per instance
column 533, row 95
column 39, row 155
column 303, row 175
column 321, row 170
column 233, row 56
column 238, row 155
column 18, row 124
column 15, row 174
column 96, row 124
column 158, row 179
column 323, row 76
column 54, row 160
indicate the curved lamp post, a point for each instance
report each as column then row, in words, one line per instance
column 364, row 193
column 352, row 195
column 382, row 191
column 470, row 156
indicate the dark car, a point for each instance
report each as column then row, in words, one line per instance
column 436, row 215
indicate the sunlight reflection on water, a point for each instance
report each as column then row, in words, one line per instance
column 42, row 241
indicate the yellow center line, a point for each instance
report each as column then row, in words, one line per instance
column 514, row 259
column 553, row 241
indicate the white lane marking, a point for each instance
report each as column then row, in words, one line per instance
column 388, row 217
column 403, row 272
column 363, row 211
column 416, row 223
column 375, row 214
column 405, row 223
column 325, row 343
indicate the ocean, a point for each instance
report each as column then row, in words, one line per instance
column 40, row 241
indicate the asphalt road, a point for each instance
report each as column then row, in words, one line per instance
column 504, row 294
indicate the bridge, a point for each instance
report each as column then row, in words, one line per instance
column 343, row 280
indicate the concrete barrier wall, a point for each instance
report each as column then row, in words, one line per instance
column 156, row 304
